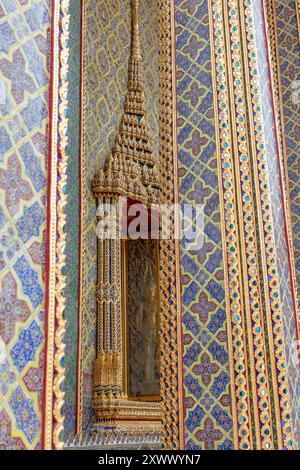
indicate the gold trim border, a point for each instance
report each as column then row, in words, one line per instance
column 236, row 325
column 181, row 422
column 234, row 398
column 79, row 397
column 249, row 244
column 171, row 313
column 298, row 16
column 54, row 369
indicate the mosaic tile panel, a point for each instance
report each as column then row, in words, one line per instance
column 24, row 79
column 73, row 217
column 278, row 218
column 206, row 362
column 289, row 59
column 282, row 254
column 107, row 41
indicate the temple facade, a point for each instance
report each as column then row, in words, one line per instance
column 149, row 224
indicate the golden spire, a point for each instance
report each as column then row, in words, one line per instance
column 135, row 74
column 132, row 169
column 136, row 43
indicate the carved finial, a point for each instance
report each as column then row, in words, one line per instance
column 136, row 43
column 135, row 62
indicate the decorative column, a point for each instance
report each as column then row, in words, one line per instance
column 108, row 365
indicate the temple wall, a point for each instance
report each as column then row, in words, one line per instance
column 24, row 84
column 241, row 376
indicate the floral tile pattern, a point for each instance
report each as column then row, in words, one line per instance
column 205, row 356
column 24, row 79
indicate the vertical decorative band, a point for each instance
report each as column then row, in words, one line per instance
column 55, row 280
column 171, row 356
column 298, row 16
column 249, row 249
column 270, row 19
column 266, row 232
column 108, row 366
column 233, row 272
column 260, row 394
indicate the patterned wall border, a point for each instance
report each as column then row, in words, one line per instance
column 234, row 297
column 267, row 242
column 79, row 397
column 262, row 414
column 237, row 90
column 55, row 280
column 275, row 30
column 171, row 370
column 249, row 349
column 171, row 312
column 269, row 11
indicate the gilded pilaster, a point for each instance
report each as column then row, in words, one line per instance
column 266, row 233
column 260, row 395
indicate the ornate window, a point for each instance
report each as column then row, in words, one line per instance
column 126, row 371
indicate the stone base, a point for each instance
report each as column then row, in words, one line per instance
column 125, row 413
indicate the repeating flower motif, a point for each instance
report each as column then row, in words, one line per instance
column 203, row 306
column 37, row 251
column 25, row 348
column 206, row 369
column 196, row 142
column 199, row 192
column 10, row 242
column 29, row 224
column 15, row 72
column 26, row 418
column 33, row 378
column 194, row 93
column 209, row 435
column 16, row 188
column 7, row 377
column 12, row 309
column 24, row 86
column 192, row 48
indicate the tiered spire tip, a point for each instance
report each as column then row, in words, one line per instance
column 132, row 169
